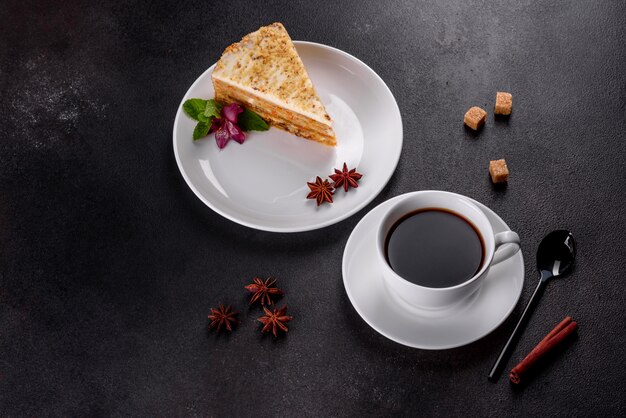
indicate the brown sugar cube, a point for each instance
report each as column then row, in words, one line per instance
column 504, row 103
column 475, row 117
column 499, row 171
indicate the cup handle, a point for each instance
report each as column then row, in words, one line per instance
column 502, row 253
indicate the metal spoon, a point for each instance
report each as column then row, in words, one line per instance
column 555, row 257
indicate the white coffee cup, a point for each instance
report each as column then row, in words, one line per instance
column 495, row 250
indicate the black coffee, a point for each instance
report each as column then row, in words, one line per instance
column 434, row 248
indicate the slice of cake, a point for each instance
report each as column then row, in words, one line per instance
column 264, row 73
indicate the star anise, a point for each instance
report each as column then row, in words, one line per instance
column 223, row 316
column 273, row 320
column 321, row 191
column 263, row 290
column 346, row 178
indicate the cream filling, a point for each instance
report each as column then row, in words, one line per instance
column 274, row 101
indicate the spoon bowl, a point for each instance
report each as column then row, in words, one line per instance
column 556, row 253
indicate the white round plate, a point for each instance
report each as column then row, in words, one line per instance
column 262, row 182
column 452, row 327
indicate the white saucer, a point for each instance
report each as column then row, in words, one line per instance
column 452, row 327
column 262, row 182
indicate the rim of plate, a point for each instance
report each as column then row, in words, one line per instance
column 400, row 340
column 312, row 227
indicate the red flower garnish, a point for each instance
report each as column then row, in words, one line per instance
column 273, row 320
column 346, row 178
column 226, row 128
column 263, row 290
column 321, row 191
column 223, row 316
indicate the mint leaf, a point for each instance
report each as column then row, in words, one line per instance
column 212, row 109
column 194, row 107
column 201, row 130
column 202, row 118
column 250, row 121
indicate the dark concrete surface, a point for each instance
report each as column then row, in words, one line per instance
column 109, row 264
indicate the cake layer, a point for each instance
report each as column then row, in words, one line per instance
column 280, row 117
